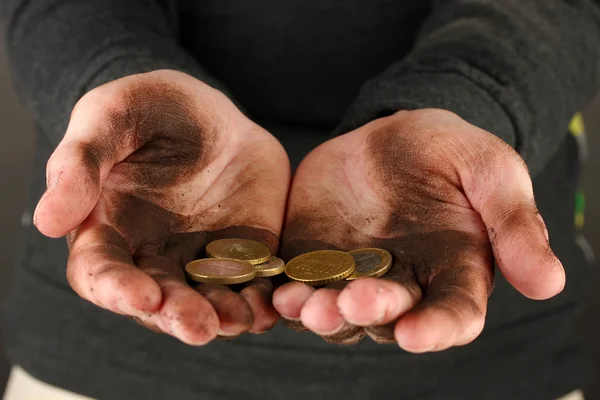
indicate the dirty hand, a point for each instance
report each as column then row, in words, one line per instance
column 152, row 168
column 446, row 199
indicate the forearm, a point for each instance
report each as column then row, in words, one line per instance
column 519, row 69
column 60, row 49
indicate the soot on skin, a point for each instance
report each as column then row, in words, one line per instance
column 348, row 336
column 188, row 246
column 295, row 247
column 418, row 258
column 406, row 171
column 152, row 230
column 173, row 138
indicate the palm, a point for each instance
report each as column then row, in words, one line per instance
column 363, row 198
column 163, row 206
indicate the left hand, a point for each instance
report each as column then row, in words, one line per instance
column 445, row 198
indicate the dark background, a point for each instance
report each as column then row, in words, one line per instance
column 16, row 143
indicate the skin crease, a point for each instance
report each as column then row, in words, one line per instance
column 152, row 168
column 445, row 198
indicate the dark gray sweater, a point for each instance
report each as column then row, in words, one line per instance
column 518, row 68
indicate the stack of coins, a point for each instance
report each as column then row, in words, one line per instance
column 235, row 261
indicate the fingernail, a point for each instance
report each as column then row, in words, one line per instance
column 49, row 189
column 334, row 331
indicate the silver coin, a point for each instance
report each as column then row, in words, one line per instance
column 370, row 262
column 365, row 262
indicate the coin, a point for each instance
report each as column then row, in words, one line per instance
column 370, row 262
column 220, row 270
column 320, row 267
column 239, row 249
column 274, row 266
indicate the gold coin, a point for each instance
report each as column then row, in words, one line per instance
column 239, row 249
column 220, row 270
column 320, row 267
column 370, row 262
column 274, row 266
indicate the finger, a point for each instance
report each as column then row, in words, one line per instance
column 373, row 302
column 452, row 312
column 289, row 299
column 79, row 165
column 504, row 199
column 100, row 270
column 321, row 315
column 258, row 293
column 184, row 313
column 235, row 314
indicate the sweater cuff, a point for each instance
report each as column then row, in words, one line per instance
column 125, row 63
column 119, row 62
column 443, row 90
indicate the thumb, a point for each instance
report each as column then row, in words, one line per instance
column 501, row 192
column 77, row 169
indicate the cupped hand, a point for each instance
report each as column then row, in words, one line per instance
column 152, row 168
column 445, row 198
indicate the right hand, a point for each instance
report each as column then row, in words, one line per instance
column 152, row 168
